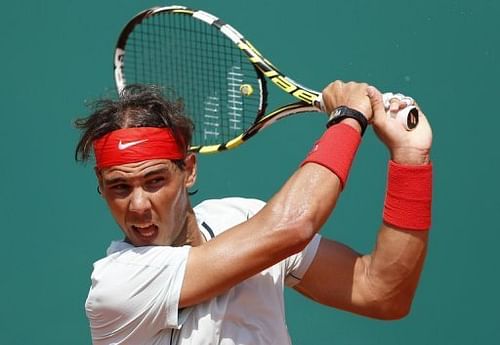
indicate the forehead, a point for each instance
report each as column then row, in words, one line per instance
column 139, row 169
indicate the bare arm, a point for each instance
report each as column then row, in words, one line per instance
column 283, row 227
column 381, row 284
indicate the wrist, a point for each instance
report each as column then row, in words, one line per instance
column 336, row 150
column 410, row 156
column 352, row 123
column 408, row 199
column 344, row 113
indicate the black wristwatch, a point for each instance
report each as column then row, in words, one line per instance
column 344, row 112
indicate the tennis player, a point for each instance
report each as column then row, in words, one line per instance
column 215, row 273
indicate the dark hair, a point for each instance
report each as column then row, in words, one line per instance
column 137, row 106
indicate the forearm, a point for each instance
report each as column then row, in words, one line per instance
column 392, row 271
column 282, row 228
column 308, row 197
column 287, row 222
column 311, row 193
column 382, row 284
column 291, row 218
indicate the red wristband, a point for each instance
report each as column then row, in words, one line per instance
column 335, row 150
column 408, row 198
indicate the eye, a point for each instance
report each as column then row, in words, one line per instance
column 120, row 188
column 156, row 182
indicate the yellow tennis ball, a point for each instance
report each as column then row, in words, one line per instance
column 246, row 89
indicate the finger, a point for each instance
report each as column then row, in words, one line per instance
column 401, row 100
column 330, row 94
column 406, row 101
column 377, row 102
column 375, row 98
column 386, row 97
column 394, row 105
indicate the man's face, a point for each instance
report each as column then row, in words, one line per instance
column 149, row 199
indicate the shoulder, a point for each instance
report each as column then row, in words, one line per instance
column 127, row 267
column 232, row 204
column 122, row 258
column 221, row 214
column 136, row 276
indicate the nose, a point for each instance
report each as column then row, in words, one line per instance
column 139, row 201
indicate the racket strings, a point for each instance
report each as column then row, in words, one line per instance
column 202, row 66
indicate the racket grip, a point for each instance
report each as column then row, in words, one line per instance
column 408, row 117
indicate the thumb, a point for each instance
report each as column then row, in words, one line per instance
column 377, row 103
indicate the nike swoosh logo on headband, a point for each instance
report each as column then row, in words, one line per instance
column 124, row 146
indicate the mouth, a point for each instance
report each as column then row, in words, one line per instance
column 145, row 232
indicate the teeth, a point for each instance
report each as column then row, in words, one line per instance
column 145, row 230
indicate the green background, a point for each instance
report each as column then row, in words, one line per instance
column 56, row 55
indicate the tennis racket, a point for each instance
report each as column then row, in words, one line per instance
column 221, row 77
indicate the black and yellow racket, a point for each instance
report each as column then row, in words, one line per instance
column 218, row 73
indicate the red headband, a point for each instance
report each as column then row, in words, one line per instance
column 129, row 145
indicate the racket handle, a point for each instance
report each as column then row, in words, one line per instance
column 408, row 117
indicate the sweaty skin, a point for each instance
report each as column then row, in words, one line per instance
column 150, row 202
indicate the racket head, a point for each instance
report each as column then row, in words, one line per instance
column 201, row 59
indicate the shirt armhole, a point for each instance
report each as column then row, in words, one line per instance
column 298, row 264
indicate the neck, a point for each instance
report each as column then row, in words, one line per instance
column 191, row 234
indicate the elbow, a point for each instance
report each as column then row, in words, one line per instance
column 395, row 308
column 297, row 233
column 305, row 230
column 303, row 220
column 292, row 227
column 390, row 293
column 394, row 311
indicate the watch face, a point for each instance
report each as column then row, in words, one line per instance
column 337, row 112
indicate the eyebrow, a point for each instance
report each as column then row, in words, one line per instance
column 149, row 174
column 114, row 180
column 157, row 171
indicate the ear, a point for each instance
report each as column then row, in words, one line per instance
column 190, row 168
column 98, row 174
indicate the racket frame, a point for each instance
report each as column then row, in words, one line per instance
column 308, row 100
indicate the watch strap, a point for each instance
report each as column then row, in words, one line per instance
column 343, row 112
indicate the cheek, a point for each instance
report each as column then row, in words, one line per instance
column 118, row 209
column 171, row 198
column 171, row 202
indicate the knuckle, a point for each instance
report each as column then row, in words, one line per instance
column 337, row 83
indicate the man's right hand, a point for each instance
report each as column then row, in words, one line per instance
column 406, row 147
